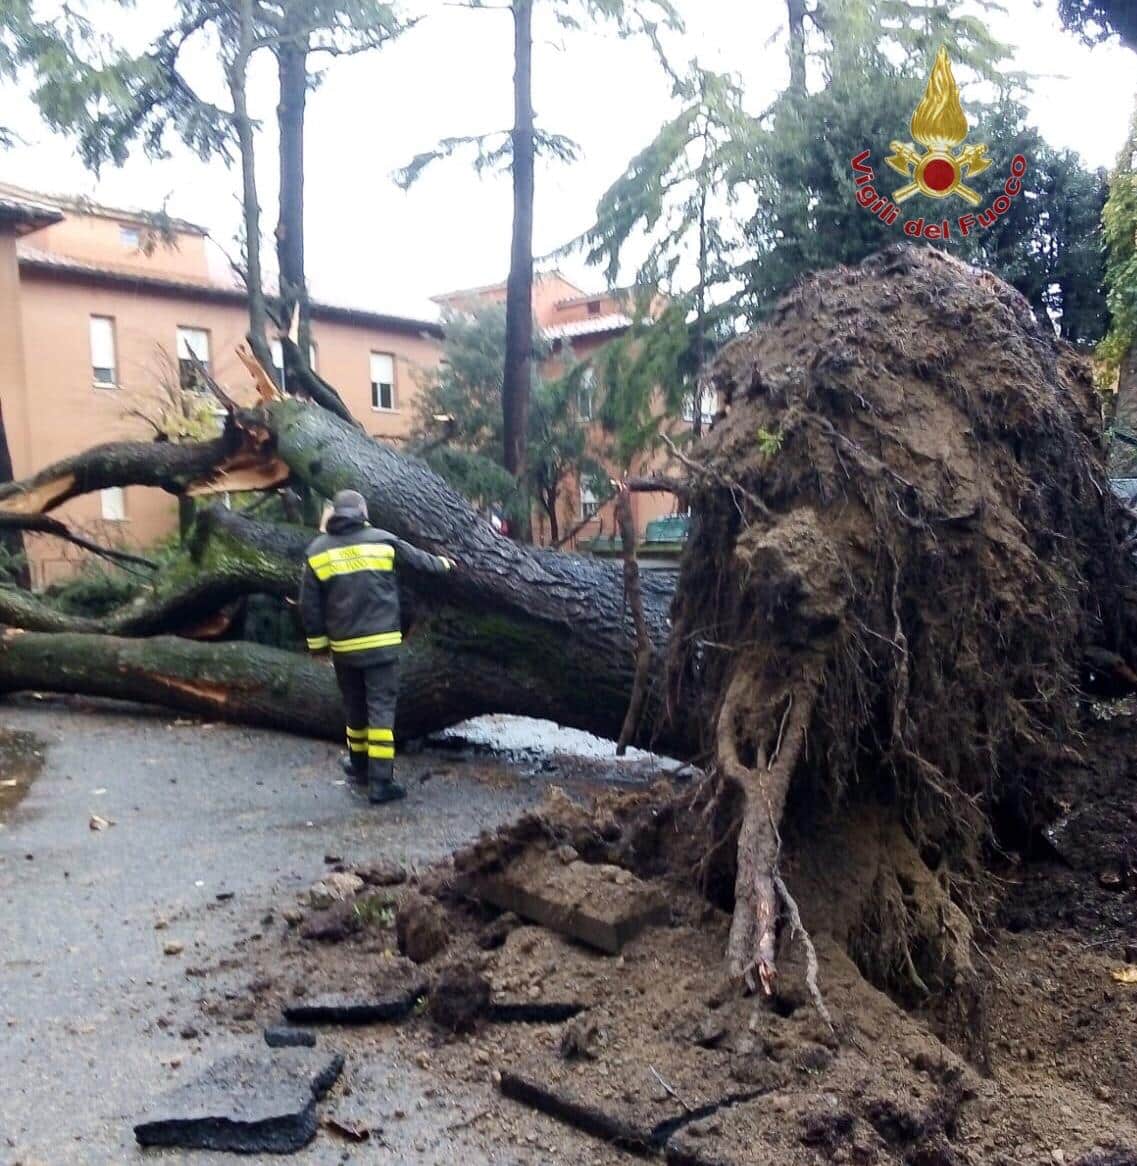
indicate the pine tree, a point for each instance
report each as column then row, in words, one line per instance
column 462, row 398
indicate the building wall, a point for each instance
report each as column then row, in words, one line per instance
column 13, row 390
column 99, row 240
column 343, row 352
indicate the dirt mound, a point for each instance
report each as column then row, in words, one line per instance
column 904, row 545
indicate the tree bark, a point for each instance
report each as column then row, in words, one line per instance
column 292, row 69
column 168, row 465
column 519, row 288
column 254, row 279
column 795, row 14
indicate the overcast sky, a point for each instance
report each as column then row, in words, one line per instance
column 371, row 245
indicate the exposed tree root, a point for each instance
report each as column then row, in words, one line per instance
column 891, row 602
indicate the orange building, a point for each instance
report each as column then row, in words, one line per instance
column 98, row 311
column 101, row 312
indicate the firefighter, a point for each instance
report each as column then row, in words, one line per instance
column 349, row 603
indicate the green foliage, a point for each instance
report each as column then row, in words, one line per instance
column 95, row 591
column 375, row 911
column 491, row 152
column 487, row 152
column 1047, row 245
column 1119, row 225
column 467, row 388
column 12, row 565
column 1098, row 20
column 111, row 100
column 769, row 442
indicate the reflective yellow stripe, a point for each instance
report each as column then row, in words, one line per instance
column 357, row 746
column 347, row 560
column 381, row 752
column 356, row 734
column 316, row 643
column 380, row 734
column 362, row 643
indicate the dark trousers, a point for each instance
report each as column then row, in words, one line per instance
column 369, row 696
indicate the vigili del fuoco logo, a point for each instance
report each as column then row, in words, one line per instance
column 941, row 170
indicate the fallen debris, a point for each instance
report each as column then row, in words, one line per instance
column 383, row 873
column 420, row 927
column 333, row 924
column 334, row 888
column 459, row 998
column 280, row 1036
column 247, row 1103
column 347, row 1130
column 393, row 1002
column 601, row 905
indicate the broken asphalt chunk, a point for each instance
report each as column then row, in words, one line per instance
column 280, row 1036
column 247, row 1103
column 344, row 1009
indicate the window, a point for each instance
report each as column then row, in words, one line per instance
column 589, row 503
column 192, row 343
column 382, row 381
column 277, row 350
column 130, row 238
column 594, row 307
column 708, row 402
column 586, row 395
column 113, row 500
column 103, row 364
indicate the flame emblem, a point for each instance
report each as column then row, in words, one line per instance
column 938, row 124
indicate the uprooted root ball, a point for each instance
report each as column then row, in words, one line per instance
column 904, row 544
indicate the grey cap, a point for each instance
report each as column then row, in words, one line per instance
column 350, row 504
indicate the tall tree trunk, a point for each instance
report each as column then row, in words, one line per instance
column 292, row 67
column 12, row 540
column 795, row 13
column 519, row 289
column 254, row 280
column 701, row 314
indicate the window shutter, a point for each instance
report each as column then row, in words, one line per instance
column 113, row 501
column 102, row 350
column 193, row 342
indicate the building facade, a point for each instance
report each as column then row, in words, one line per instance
column 100, row 314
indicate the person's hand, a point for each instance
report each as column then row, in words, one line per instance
column 448, row 564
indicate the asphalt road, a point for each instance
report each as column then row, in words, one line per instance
column 197, row 810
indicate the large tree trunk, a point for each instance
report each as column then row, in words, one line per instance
column 525, row 630
column 519, row 289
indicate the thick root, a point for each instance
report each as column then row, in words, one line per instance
column 764, row 785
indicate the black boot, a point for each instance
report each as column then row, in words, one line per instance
column 381, row 783
column 356, row 770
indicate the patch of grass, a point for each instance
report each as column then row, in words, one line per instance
column 375, row 911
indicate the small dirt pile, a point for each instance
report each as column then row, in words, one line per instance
column 905, row 544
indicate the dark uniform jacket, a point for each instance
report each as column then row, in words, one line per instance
column 349, row 597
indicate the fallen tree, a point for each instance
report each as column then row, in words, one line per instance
column 904, row 547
